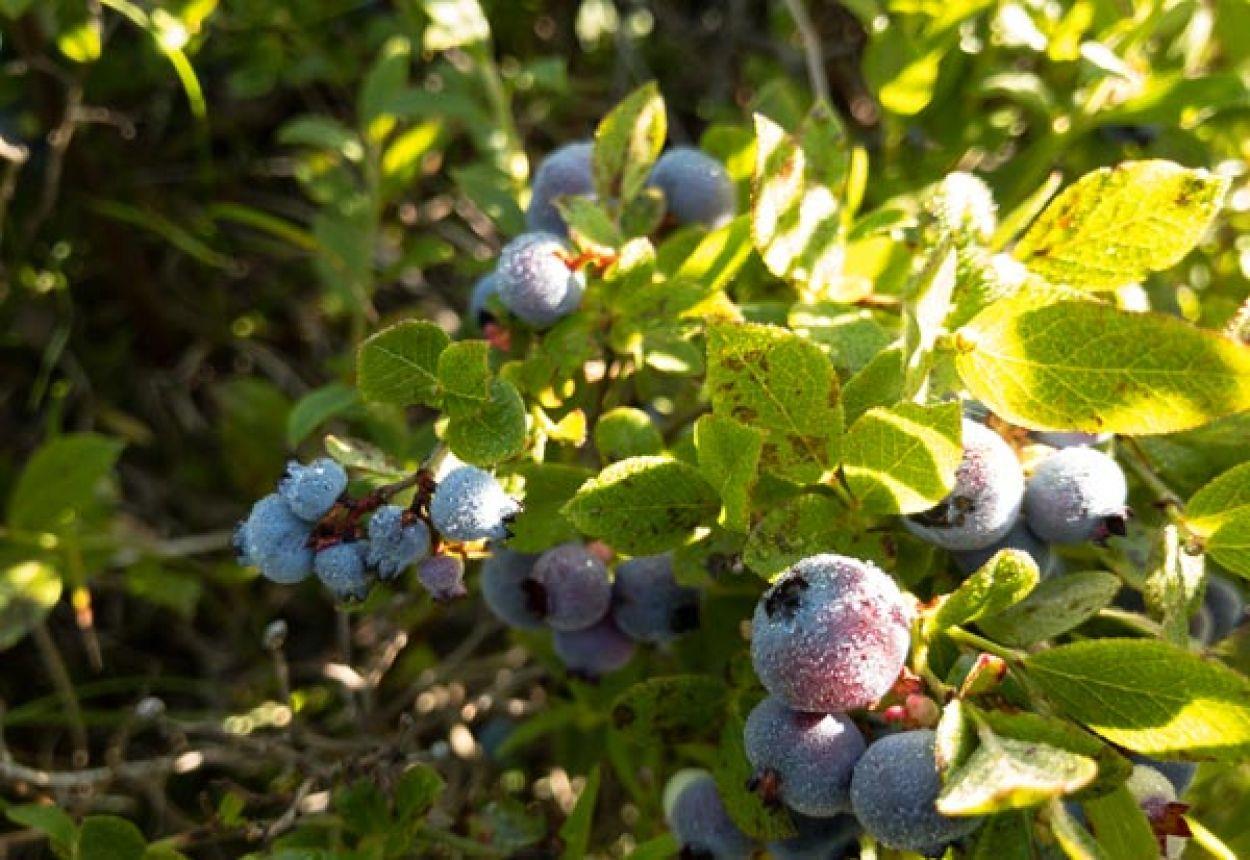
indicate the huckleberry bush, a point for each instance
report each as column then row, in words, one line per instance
column 830, row 553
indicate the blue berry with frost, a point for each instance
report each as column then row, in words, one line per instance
column 535, row 281
column 818, row 839
column 341, row 569
column 469, row 504
column 508, row 591
column 697, row 188
column 565, row 172
column 1019, row 538
column 1076, row 495
column 594, row 651
column 276, row 541
column 894, row 791
column 443, row 577
column 647, row 602
column 697, row 817
column 1071, row 440
column 311, row 490
column 393, row 543
column 1179, row 773
column 484, row 290
column 1226, row 606
column 1157, row 798
column 985, row 503
column 801, row 759
column 571, row 586
column 830, row 635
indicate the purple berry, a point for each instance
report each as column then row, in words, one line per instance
column 276, row 541
column 830, row 635
column 647, row 602
column 697, row 188
column 985, row 503
column 507, row 590
column 1075, row 495
column 393, row 543
column 535, row 281
column 443, row 577
column 697, row 816
column 1226, row 606
column 802, row 759
column 313, row 489
column 564, row 172
column 572, row 587
column 469, row 504
column 1019, row 538
column 894, row 791
column 341, row 569
column 595, row 651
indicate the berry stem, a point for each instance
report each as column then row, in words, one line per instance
column 972, row 640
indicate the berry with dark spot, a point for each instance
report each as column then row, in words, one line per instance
column 572, row 587
column 503, row 580
column 818, row 839
column 468, row 504
column 1075, row 495
column 648, row 604
column 396, row 541
column 834, row 644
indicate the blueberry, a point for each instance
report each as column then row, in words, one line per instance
column 1152, row 790
column 696, row 814
column 818, row 839
column 238, row 540
column 1225, row 604
column 647, row 602
column 1075, row 495
column 507, row 591
column 894, row 790
column 469, row 504
column 393, row 543
column 564, row 172
column 1019, row 538
column 1179, row 773
column 830, row 635
column 803, row 760
column 572, row 587
column 443, row 577
column 313, row 489
column 535, row 281
column 341, row 569
column 1071, row 440
column 985, row 502
column 486, row 287
column 594, row 651
column 697, row 188
column 276, row 541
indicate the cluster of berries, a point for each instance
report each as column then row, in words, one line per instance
column 596, row 619
column 538, row 278
column 312, row 525
column 829, row 637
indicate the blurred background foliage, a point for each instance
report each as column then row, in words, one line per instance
column 207, row 204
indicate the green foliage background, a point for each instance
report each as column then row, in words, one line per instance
column 210, row 205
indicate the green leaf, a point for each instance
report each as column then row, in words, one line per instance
column 853, row 337
column 416, row 791
column 322, row 132
column 1089, row 367
column 464, row 370
column 925, row 319
column 363, row 808
column 1001, row 582
column 669, row 710
column 717, row 259
column 626, row 432
column 1057, row 605
column 1150, row 697
column 63, row 477
column 792, row 531
column 106, row 837
column 1074, row 839
column 1173, row 584
column 453, row 24
column 28, row 593
column 541, row 524
column 879, row 383
column 160, row 585
column 796, row 221
column 628, row 142
column 590, row 226
column 732, row 771
column 317, row 407
column 729, row 454
column 1005, row 773
column 50, row 820
column 361, row 455
column 400, row 364
column 385, row 80
column 1006, row 836
column 774, row 380
column 80, row 40
column 1120, row 827
column 15, row 8
column 489, row 431
column 659, row 848
column 1220, row 500
column 644, row 505
column 252, row 426
column 903, row 460
column 575, row 832
column 1117, row 224
column 1230, row 543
